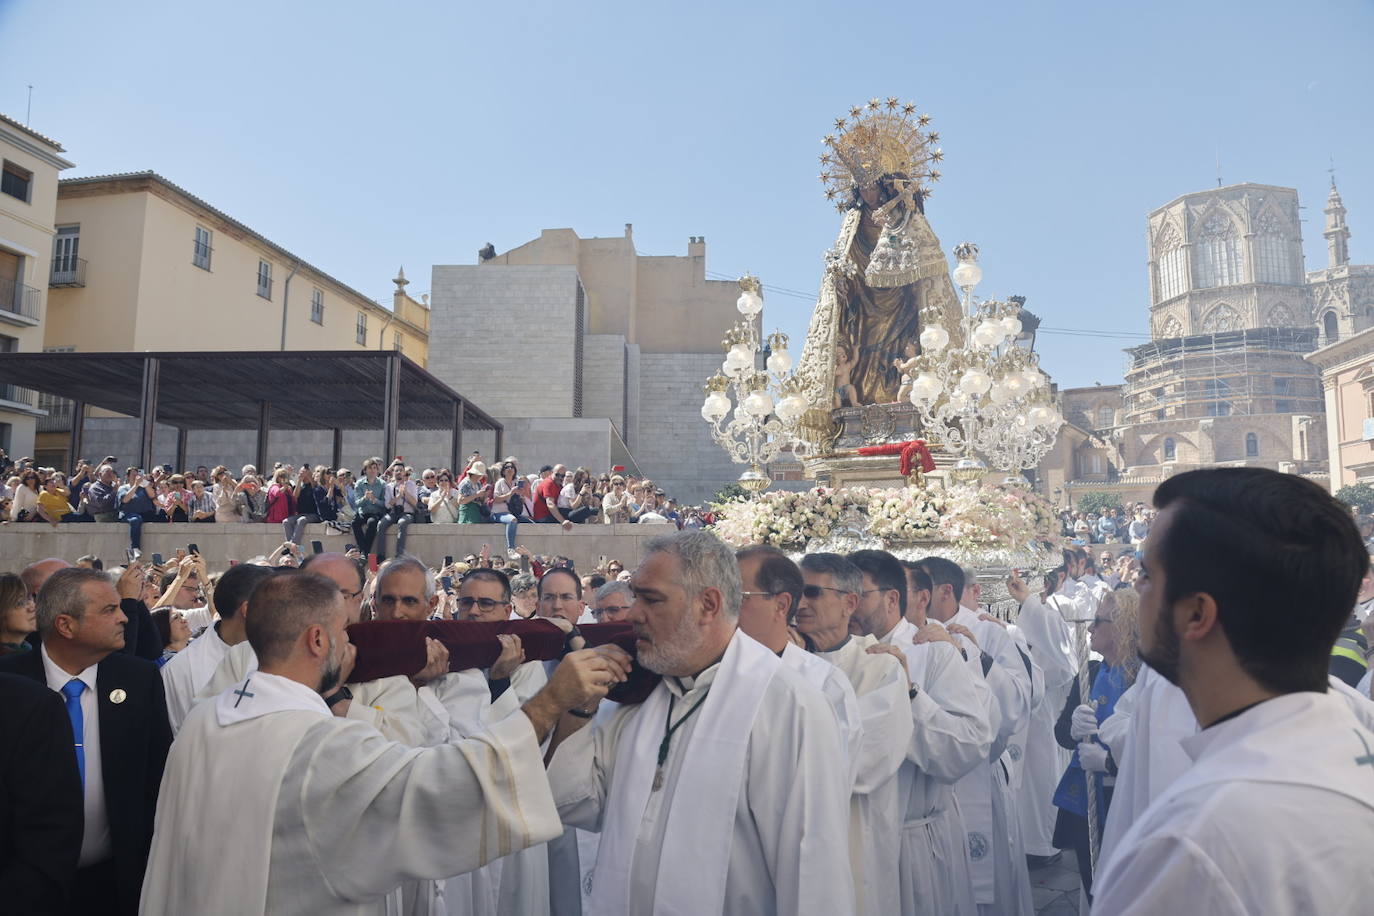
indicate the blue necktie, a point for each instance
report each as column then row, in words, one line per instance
column 72, row 691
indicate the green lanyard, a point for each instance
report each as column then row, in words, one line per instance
column 668, row 729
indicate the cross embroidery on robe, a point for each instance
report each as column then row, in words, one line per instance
column 243, row 692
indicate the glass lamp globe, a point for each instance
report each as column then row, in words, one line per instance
column 749, row 304
column 1011, row 326
column 957, row 400
column 1034, row 378
column 925, row 387
column 758, row 404
column 934, row 339
column 967, row 275
column 1041, row 416
column 716, row 406
column 1015, row 384
column 779, row 361
column 791, row 408
column 988, row 333
column 999, row 392
column 975, row 382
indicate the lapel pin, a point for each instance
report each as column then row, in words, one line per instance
column 118, row 695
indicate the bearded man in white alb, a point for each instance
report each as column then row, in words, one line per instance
column 270, row 804
column 829, row 599
column 1248, row 578
column 726, row 791
column 951, row 737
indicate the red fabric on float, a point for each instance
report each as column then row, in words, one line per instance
column 397, row 647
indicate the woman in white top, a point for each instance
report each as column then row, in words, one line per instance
column 615, row 505
column 26, row 498
column 443, row 502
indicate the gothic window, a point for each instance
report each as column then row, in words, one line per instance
column 1251, row 445
column 1220, row 253
column 1171, row 327
column 1281, row 316
column 1220, row 319
column 1173, row 263
column 1170, row 450
column 1273, row 252
column 1330, row 328
column 1105, row 417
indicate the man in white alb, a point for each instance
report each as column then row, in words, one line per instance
column 772, row 589
column 1276, row 812
column 270, row 804
column 829, row 599
column 191, row 669
column 951, row 737
column 704, row 792
column 1001, row 879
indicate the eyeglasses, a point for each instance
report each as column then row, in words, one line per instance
column 760, row 594
column 560, row 475
column 486, row 604
column 350, row 595
column 814, row 591
column 611, row 609
column 869, row 591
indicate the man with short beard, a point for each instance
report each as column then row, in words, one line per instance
column 730, row 761
column 951, row 736
column 830, row 596
column 1248, row 577
column 272, row 805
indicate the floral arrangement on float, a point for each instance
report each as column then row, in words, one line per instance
column 995, row 525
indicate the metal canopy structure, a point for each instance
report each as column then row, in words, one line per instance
column 303, row 389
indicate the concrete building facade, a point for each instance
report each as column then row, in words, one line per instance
column 590, row 353
column 28, row 200
column 146, row 265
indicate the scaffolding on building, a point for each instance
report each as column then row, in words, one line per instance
column 1257, row 370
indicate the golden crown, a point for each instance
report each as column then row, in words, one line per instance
column 877, row 139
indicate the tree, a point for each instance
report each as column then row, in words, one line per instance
column 1096, row 501
column 1359, row 496
column 730, row 491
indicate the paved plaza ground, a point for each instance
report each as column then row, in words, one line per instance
column 1055, row 888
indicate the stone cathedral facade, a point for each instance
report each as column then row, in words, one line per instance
column 1223, row 380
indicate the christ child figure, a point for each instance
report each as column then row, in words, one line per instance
column 906, row 366
column 845, row 392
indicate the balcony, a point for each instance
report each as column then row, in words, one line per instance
column 19, row 400
column 68, row 272
column 19, row 304
column 59, row 415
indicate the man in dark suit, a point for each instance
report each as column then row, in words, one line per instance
column 119, row 719
column 40, row 799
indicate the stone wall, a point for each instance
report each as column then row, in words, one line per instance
column 504, row 337
column 603, row 378
column 673, row 443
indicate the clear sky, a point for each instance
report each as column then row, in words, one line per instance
column 363, row 136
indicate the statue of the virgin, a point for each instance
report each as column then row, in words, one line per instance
column 886, row 273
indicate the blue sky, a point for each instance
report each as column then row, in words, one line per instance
column 363, row 136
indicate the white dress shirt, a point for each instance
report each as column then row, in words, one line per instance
column 95, row 839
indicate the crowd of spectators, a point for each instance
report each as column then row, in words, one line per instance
column 380, row 498
column 1128, row 524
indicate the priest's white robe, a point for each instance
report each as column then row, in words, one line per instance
column 1052, row 648
column 1001, row 878
column 875, row 816
column 1275, row 815
column 190, row 670
column 951, row 738
column 833, row 683
column 1146, row 732
column 270, row 804
column 782, row 852
column 388, row 704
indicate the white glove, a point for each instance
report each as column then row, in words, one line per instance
column 1092, row 757
column 1083, row 725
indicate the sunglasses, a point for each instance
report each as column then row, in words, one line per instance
column 814, row 591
